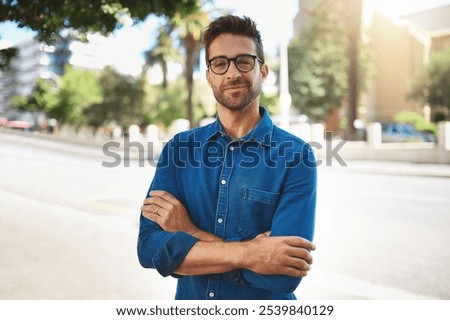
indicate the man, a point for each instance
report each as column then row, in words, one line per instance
column 232, row 204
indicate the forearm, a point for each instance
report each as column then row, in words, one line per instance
column 205, row 236
column 212, row 257
column 265, row 255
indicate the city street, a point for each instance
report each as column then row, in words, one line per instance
column 68, row 228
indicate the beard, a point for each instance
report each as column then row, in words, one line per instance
column 239, row 99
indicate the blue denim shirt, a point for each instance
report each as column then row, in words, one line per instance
column 235, row 189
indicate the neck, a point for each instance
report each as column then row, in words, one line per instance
column 238, row 123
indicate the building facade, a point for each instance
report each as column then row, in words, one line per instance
column 401, row 49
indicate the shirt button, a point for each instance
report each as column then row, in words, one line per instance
column 223, row 181
column 211, row 294
column 231, row 148
column 220, row 220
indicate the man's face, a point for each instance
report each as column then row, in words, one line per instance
column 235, row 90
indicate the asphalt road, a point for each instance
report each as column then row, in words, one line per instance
column 68, row 228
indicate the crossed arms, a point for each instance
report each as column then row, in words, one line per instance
column 263, row 255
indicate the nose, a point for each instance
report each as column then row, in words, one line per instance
column 233, row 72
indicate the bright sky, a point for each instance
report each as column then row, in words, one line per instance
column 273, row 22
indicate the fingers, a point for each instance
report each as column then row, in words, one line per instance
column 300, row 253
column 152, row 216
column 164, row 195
column 296, row 267
column 159, row 202
column 300, row 242
column 152, row 208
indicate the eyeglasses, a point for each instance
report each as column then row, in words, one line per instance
column 244, row 63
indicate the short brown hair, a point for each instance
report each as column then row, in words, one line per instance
column 235, row 25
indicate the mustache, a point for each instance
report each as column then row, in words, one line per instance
column 235, row 83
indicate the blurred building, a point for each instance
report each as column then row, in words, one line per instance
column 34, row 60
column 37, row 60
column 401, row 46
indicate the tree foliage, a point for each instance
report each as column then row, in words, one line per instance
column 78, row 89
column 162, row 52
column 163, row 105
column 42, row 98
column 318, row 64
column 190, row 29
column 49, row 17
column 433, row 84
column 122, row 103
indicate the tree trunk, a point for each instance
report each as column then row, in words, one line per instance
column 190, row 57
column 354, row 11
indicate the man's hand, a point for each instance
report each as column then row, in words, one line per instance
column 169, row 213
column 287, row 255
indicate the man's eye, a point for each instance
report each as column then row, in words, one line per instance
column 220, row 63
column 245, row 62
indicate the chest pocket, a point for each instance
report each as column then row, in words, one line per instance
column 257, row 211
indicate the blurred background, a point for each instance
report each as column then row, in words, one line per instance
column 367, row 80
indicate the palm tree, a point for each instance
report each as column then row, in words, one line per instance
column 162, row 52
column 190, row 30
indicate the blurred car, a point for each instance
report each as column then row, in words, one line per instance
column 21, row 121
column 18, row 124
column 402, row 132
column 3, row 121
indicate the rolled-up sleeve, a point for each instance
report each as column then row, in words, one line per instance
column 163, row 251
column 295, row 216
column 158, row 249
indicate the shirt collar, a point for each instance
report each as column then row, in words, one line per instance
column 262, row 133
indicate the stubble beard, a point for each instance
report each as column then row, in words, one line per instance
column 237, row 101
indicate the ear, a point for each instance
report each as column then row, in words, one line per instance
column 264, row 71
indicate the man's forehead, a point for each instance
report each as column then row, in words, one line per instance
column 230, row 44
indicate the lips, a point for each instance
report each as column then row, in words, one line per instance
column 235, row 86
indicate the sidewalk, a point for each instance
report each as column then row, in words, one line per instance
column 90, row 149
column 392, row 168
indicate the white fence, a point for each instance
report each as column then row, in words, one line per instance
column 374, row 149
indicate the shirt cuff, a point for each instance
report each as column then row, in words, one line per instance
column 173, row 252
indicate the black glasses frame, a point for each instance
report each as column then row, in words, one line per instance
column 234, row 61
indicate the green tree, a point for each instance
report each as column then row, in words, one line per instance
column 78, row 89
column 190, row 29
column 49, row 17
column 162, row 52
column 165, row 104
column 318, row 64
column 42, row 98
column 123, row 100
column 433, row 83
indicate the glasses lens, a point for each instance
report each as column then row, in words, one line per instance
column 245, row 63
column 219, row 65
